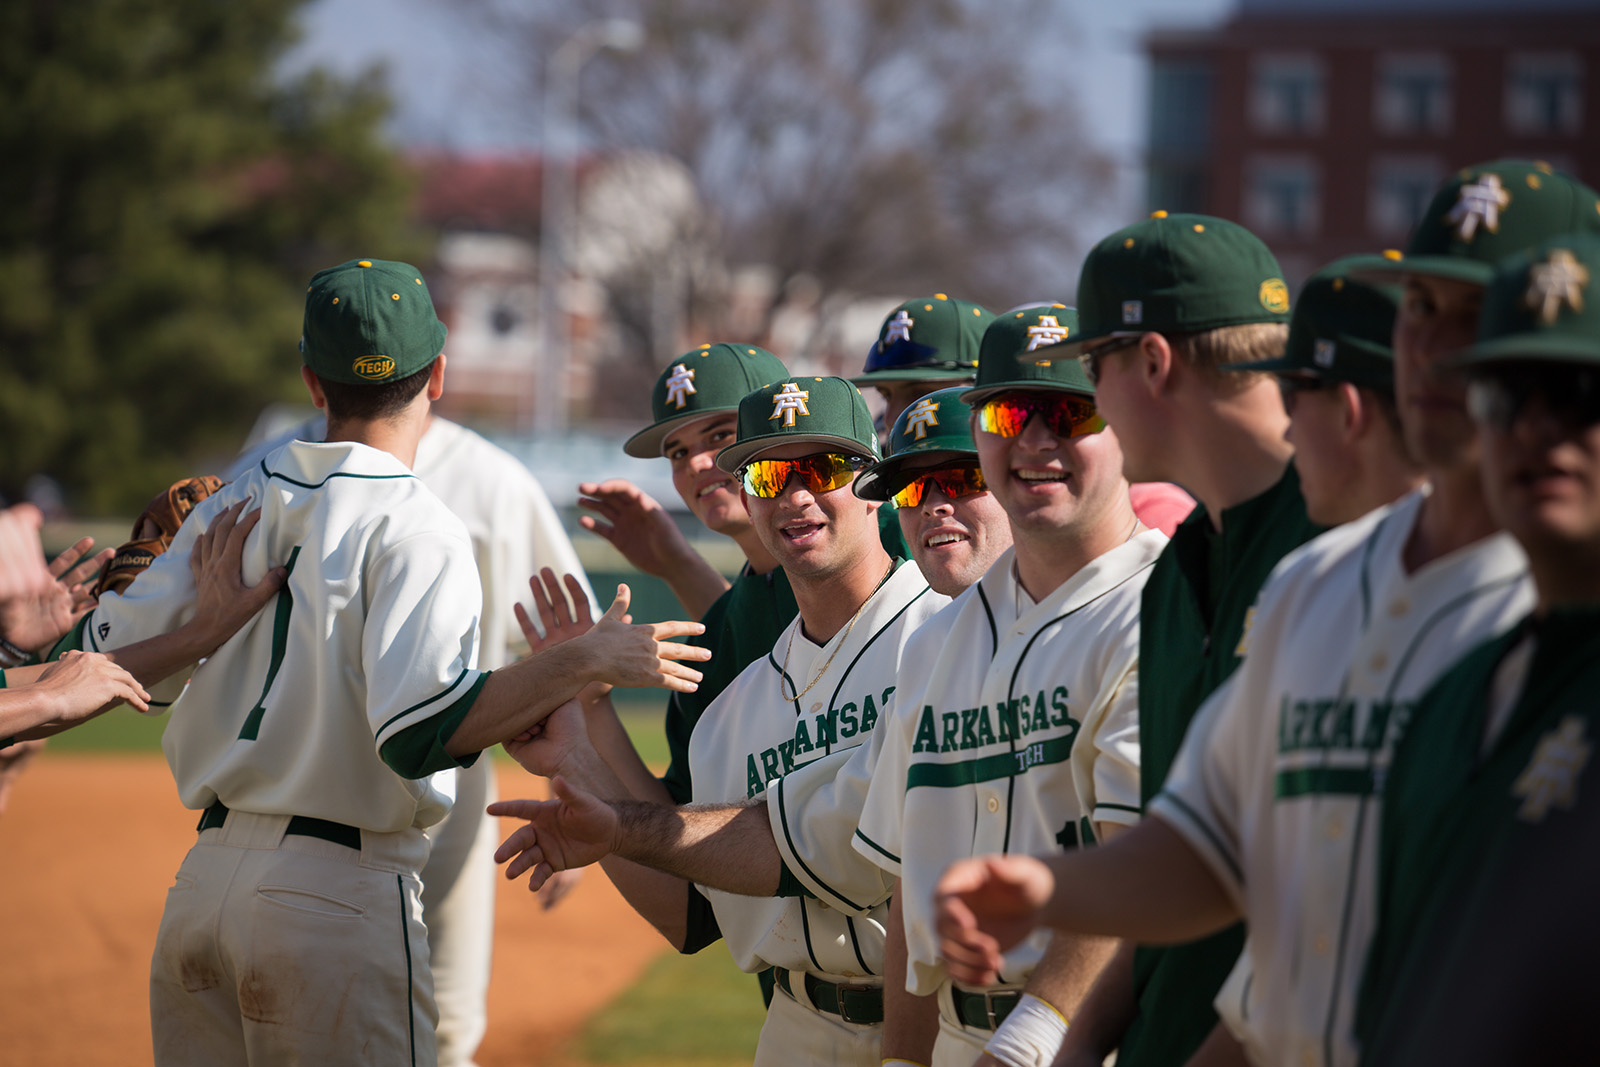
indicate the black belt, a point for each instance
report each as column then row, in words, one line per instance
column 984, row 1011
column 299, row 825
column 853, row 1002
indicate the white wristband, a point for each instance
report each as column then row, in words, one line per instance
column 1031, row 1035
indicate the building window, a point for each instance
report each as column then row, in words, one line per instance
column 1544, row 93
column 1283, row 196
column 1287, row 93
column 1413, row 94
column 1401, row 189
column 1180, row 104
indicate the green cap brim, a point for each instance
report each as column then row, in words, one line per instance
column 648, row 442
column 735, row 456
column 1450, row 268
column 1532, row 348
column 974, row 397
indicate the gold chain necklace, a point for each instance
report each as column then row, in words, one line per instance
column 783, row 676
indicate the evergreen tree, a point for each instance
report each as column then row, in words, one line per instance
column 165, row 196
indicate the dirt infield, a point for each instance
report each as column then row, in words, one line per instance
column 88, row 847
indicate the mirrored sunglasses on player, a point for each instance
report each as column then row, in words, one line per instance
column 1066, row 414
column 1569, row 391
column 820, row 473
column 955, row 480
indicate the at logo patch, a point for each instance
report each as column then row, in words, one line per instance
column 680, row 385
column 1551, row 777
column 1323, row 351
column 103, row 629
column 787, row 401
column 1559, row 280
column 899, row 329
column 1047, row 332
column 1275, row 296
column 373, row 368
column 1132, row 312
column 920, row 416
column 1479, row 204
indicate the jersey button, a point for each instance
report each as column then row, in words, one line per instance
column 994, row 805
column 1320, row 945
column 1379, row 662
column 1308, row 1056
column 1335, row 829
column 1399, row 608
column 816, row 707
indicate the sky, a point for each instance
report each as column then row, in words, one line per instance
column 450, row 77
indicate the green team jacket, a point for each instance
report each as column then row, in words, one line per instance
column 1191, row 620
column 1489, row 864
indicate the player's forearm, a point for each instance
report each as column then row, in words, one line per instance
column 610, row 739
column 1147, row 885
column 910, row 1022
column 517, row 697
column 1104, row 1014
column 661, row 899
column 723, row 846
column 1069, row 969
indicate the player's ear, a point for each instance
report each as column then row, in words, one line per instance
column 1354, row 412
column 318, row 398
column 436, row 379
column 1156, row 362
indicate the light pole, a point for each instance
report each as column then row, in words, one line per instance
column 558, row 180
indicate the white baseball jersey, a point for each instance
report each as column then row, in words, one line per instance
column 375, row 631
column 751, row 736
column 514, row 528
column 1278, row 781
column 1014, row 724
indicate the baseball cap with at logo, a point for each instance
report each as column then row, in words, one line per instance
column 1175, row 274
column 937, row 425
column 709, row 380
column 1487, row 212
column 1543, row 306
column 1011, row 347
column 1341, row 329
column 931, row 338
column 827, row 412
column 369, row 321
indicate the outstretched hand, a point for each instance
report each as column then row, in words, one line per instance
column 37, row 622
column 573, row 830
column 983, row 907
column 223, row 602
column 640, row 656
column 637, row 526
column 559, row 619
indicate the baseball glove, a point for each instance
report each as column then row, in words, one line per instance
column 154, row 530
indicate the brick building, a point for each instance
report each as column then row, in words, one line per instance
column 1323, row 125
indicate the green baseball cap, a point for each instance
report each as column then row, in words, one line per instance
column 1544, row 305
column 1008, row 361
column 707, row 381
column 1175, row 274
column 938, row 424
column 1487, row 212
column 823, row 411
column 931, row 338
column 369, row 321
column 1341, row 329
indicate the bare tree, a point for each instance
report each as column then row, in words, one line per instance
column 876, row 146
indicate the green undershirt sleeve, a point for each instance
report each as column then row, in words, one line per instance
column 418, row 750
